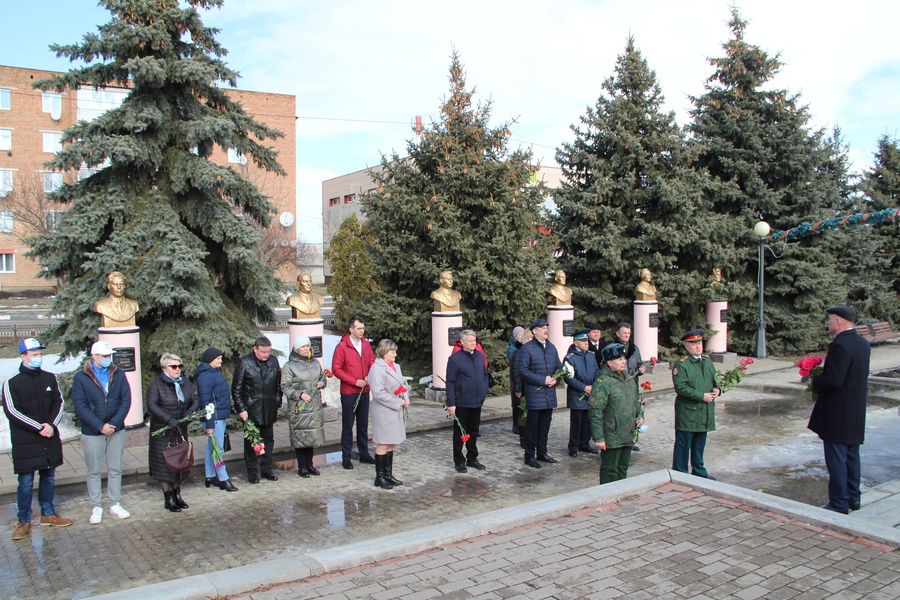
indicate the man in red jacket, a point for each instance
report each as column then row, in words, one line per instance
column 351, row 362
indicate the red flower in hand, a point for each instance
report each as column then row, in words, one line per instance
column 646, row 385
column 808, row 364
column 328, row 373
column 400, row 390
column 465, row 437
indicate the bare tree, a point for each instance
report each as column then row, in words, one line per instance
column 28, row 210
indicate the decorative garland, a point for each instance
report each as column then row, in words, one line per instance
column 809, row 228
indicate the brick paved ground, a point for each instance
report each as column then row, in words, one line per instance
column 671, row 542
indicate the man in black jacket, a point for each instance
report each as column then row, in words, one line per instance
column 33, row 405
column 839, row 415
column 256, row 392
column 467, row 387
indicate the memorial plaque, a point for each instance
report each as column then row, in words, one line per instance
column 315, row 344
column 654, row 319
column 453, row 335
column 123, row 358
column 723, row 315
column 568, row 328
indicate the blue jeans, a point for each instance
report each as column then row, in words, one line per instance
column 26, row 491
column 213, row 471
column 689, row 444
column 844, row 474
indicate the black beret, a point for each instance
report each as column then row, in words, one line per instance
column 844, row 312
column 594, row 325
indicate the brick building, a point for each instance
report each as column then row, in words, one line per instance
column 31, row 127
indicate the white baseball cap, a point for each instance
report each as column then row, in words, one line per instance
column 102, row 348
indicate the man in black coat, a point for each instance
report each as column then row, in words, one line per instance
column 839, row 415
column 256, row 392
column 467, row 387
column 33, row 405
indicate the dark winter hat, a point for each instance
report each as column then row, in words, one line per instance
column 538, row 323
column 210, row 354
column 582, row 334
column 613, row 351
column 844, row 312
column 594, row 326
column 694, row 335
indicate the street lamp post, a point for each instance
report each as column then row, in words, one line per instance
column 761, row 230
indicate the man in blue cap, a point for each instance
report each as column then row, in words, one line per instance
column 578, row 389
column 694, row 377
column 538, row 363
column 33, row 404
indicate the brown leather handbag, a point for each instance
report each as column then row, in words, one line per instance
column 179, row 455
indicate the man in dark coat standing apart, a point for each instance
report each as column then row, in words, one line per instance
column 467, row 387
column 839, row 415
column 256, row 393
column 34, row 405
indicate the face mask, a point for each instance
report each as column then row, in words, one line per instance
column 105, row 362
column 36, row 362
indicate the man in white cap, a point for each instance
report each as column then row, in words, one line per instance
column 33, row 405
column 101, row 396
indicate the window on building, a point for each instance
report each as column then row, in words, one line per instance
column 349, row 198
column 91, row 103
column 6, row 182
column 51, row 103
column 7, row 261
column 236, row 158
column 5, row 139
column 334, row 202
column 51, row 219
column 6, row 221
column 52, row 182
column 5, row 102
column 52, row 141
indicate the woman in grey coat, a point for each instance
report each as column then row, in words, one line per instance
column 302, row 382
column 389, row 399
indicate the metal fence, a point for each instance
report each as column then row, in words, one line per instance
column 13, row 331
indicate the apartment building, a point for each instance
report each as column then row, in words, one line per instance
column 31, row 127
column 341, row 196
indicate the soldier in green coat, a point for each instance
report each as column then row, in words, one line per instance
column 616, row 412
column 694, row 377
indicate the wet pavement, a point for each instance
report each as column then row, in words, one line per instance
column 761, row 444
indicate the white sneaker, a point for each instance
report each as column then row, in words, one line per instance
column 96, row 516
column 119, row 511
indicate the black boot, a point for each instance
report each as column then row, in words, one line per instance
column 228, row 486
column 213, row 481
column 170, row 501
column 380, row 480
column 176, row 495
column 389, row 469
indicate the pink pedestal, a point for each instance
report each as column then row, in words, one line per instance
column 442, row 344
column 646, row 328
column 717, row 342
column 314, row 329
column 126, row 345
column 560, row 321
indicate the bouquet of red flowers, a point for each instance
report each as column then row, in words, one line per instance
column 727, row 380
column 810, row 367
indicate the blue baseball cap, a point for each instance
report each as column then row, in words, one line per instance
column 29, row 344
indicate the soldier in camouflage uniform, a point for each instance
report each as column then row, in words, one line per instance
column 616, row 412
column 694, row 377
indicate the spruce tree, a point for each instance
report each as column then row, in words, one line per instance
column 353, row 276
column 756, row 142
column 178, row 225
column 629, row 199
column 462, row 201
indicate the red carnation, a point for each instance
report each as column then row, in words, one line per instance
column 646, row 385
column 328, row 373
column 400, row 390
column 465, row 437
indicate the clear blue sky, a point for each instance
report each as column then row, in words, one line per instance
column 362, row 70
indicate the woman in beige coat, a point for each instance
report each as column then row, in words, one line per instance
column 389, row 399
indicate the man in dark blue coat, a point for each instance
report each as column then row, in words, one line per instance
column 578, row 392
column 467, row 387
column 839, row 415
column 538, row 363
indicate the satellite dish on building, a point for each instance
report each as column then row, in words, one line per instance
column 56, row 112
column 286, row 219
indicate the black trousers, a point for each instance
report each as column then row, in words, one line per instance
column 579, row 430
column 267, row 433
column 537, row 430
column 304, row 457
column 361, row 415
column 470, row 418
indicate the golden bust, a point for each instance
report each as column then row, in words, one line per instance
column 446, row 299
column 560, row 295
column 305, row 304
column 645, row 290
column 116, row 310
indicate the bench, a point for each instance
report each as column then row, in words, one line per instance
column 877, row 333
